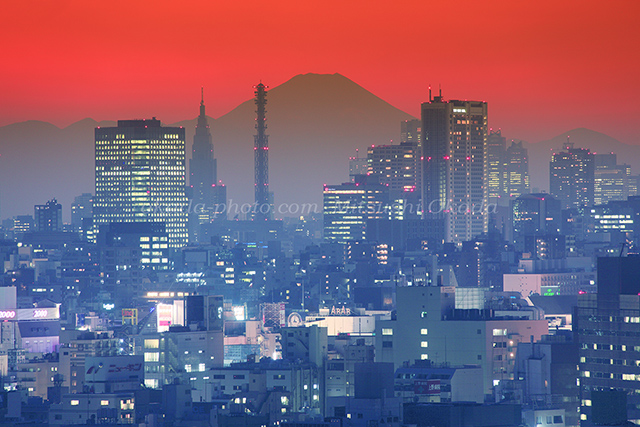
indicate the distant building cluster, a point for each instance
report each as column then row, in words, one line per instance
column 432, row 286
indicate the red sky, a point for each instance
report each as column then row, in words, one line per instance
column 544, row 66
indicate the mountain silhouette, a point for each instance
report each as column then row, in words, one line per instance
column 315, row 122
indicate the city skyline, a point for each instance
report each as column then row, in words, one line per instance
column 427, row 215
column 529, row 55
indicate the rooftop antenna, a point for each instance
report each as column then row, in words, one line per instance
column 202, row 95
column 440, row 89
column 429, row 93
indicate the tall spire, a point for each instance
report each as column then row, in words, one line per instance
column 202, row 114
column 261, row 156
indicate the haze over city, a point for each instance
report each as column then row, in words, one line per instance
column 336, row 214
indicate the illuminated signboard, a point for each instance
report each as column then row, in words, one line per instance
column 49, row 313
column 426, row 387
column 7, row 314
column 238, row 312
column 130, row 316
column 165, row 316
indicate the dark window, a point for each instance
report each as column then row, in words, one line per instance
column 557, row 419
column 387, row 344
column 218, row 377
column 238, row 377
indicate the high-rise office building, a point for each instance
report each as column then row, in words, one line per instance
column 454, row 136
column 397, row 166
column 496, row 145
column 48, row 217
column 607, row 326
column 357, row 166
column 140, row 176
column 411, row 131
column 82, row 215
column 534, row 215
column 81, row 208
column 208, row 197
column 571, row 176
column 264, row 200
column 612, row 182
column 516, row 170
column 347, row 208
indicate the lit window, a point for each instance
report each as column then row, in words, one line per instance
column 75, row 402
column 104, row 403
column 151, row 343
column 424, row 331
column 152, row 357
column 387, row 331
column 424, row 344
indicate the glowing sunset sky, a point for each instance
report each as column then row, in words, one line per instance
column 543, row 66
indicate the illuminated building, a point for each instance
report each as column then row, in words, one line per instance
column 140, row 176
column 534, row 214
column 454, row 136
column 397, row 166
column 611, row 180
column 411, row 131
column 82, row 215
column 130, row 252
column 429, row 326
column 208, row 196
column 571, row 175
column 348, row 206
column 48, row 217
column 516, row 178
column 357, row 166
column 607, row 328
column 495, row 165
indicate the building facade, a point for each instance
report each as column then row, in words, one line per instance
column 140, row 176
column 454, row 137
column 571, row 177
column 516, row 170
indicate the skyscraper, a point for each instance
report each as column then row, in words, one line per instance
column 203, row 165
column 397, row 166
column 140, row 176
column 534, row 214
column 347, row 207
column 516, row 181
column 357, row 166
column 208, row 196
column 611, row 180
column 48, row 217
column 571, row 177
column 263, row 209
column 81, row 208
column 411, row 131
column 454, row 135
column 608, row 325
column 496, row 144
